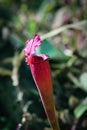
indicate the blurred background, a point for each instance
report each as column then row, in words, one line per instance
column 67, row 48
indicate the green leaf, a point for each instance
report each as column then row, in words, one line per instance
column 79, row 110
column 83, row 80
column 31, row 26
column 47, row 48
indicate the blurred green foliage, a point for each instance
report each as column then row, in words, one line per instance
column 67, row 50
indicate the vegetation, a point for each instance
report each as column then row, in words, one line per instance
column 62, row 26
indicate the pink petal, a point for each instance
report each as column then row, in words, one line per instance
column 31, row 45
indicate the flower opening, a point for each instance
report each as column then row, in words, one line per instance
column 30, row 47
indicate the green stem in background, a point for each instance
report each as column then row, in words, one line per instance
column 79, row 25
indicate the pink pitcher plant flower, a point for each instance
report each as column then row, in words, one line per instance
column 41, row 73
